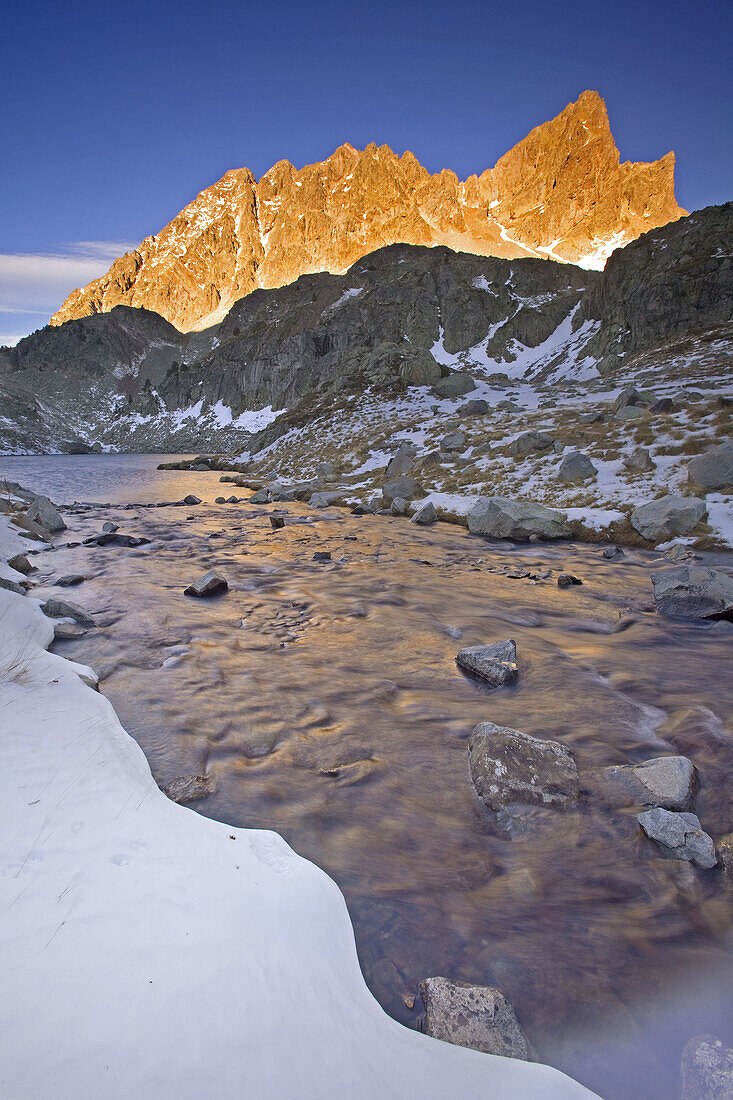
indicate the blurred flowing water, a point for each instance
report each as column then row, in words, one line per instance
column 324, row 700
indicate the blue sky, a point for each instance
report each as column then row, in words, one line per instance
column 116, row 115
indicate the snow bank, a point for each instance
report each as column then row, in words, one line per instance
column 147, row 951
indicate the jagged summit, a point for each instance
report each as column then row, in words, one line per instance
column 562, row 193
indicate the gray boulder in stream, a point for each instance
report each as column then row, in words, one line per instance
column 495, row 663
column 667, row 781
column 211, row 584
column 508, row 766
column 694, row 592
column 503, row 518
column 679, row 836
column 65, row 609
column 46, row 515
column 475, row 1016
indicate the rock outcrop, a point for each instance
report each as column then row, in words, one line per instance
column 560, row 194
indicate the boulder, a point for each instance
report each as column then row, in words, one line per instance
column 426, row 515
column 454, row 385
column 66, row 631
column 65, row 609
column 666, row 781
column 678, row 836
column 640, row 461
column 12, row 586
column 400, row 464
column 529, row 443
column 694, row 592
column 714, row 469
column 262, row 496
column 405, row 487
column 420, row 370
column 725, row 855
column 324, row 499
column 109, row 528
column 454, row 441
column 188, row 788
column 20, row 563
column 191, row 498
column 33, row 530
column 210, row 584
column 46, row 515
column 503, row 518
column 707, row 1069
column 70, row 580
column 475, row 1016
column 629, row 412
column 322, row 555
column 508, row 766
column 668, row 517
column 399, row 506
column 663, row 405
column 629, row 398
column 612, row 552
column 576, row 467
column 567, row 580
column 476, row 407
column 495, row 663
column 220, row 500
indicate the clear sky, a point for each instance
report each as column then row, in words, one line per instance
column 115, row 115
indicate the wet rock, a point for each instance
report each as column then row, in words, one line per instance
column 566, row 580
column 21, row 564
column 707, row 1069
column 351, row 774
column 678, row 836
column 66, row 631
column 576, row 467
column 191, row 499
column 454, row 441
column 495, row 663
column 668, row 517
column 220, row 500
column 694, row 592
column 46, row 515
column 678, row 553
column 454, row 385
column 324, row 499
column 405, row 487
column 639, row 461
column 475, row 1016
column 503, row 518
column 612, row 552
column 666, row 781
column 508, row 766
column 65, row 609
column 399, row 506
column 210, row 584
column 70, row 580
column 426, row 515
column 322, row 555
column 114, row 538
column 109, row 528
column 529, row 443
column 725, row 855
column 277, row 523
column 714, row 469
column 188, row 788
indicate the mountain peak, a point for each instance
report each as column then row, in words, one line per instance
column 561, row 193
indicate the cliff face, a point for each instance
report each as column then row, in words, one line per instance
column 561, row 194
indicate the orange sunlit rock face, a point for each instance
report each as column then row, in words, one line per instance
column 560, row 194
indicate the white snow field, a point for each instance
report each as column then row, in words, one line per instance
column 149, row 952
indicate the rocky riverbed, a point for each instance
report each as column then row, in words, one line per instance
column 320, row 695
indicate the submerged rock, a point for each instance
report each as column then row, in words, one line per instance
column 503, row 518
column 495, row 663
column 679, row 836
column 46, row 515
column 508, row 766
column 707, row 1069
column 668, row 517
column 65, row 609
column 210, row 584
column 694, row 592
column 475, row 1016
column 666, row 781
column 188, row 788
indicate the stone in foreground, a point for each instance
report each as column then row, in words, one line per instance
column 46, row 515
column 679, row 836
column 475, row 1016
column 508, row 766
column 211, row 584
column 668, row 517
column 707, row 1069
column 666, row 781
column 65, row 609
column 694, row 592
column 188, row 788
column 503, row 518
column 495, row 663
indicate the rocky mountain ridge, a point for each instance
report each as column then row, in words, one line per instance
column 562, row 194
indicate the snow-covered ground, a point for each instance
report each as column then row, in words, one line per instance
column 150, row 952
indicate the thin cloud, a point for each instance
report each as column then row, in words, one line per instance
column 36, row 283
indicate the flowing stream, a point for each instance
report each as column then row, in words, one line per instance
column 324, row 700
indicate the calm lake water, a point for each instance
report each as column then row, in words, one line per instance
column 324, row 700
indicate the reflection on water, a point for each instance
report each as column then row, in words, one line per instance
column 325, row 701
